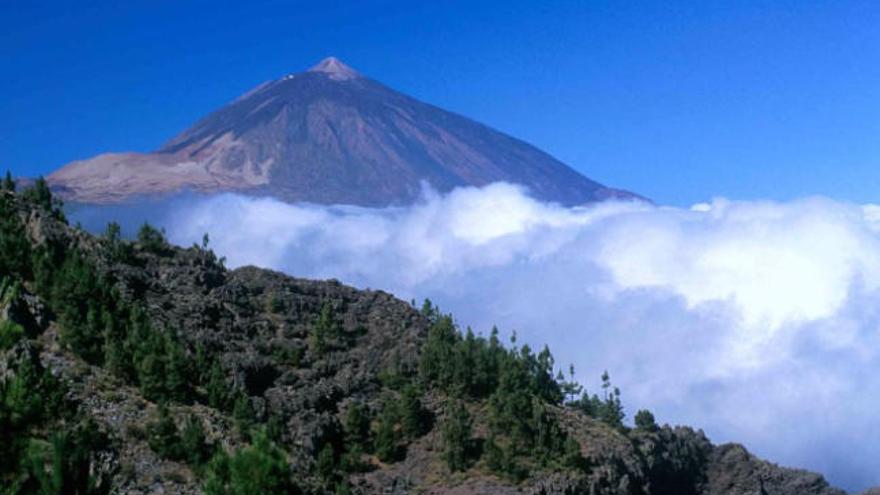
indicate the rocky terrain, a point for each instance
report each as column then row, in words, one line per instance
column 328, row 135
column 295, row 386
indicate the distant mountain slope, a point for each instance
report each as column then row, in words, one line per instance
column 328, row 135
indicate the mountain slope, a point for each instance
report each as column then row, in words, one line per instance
column 328, row 135
column 186, row 377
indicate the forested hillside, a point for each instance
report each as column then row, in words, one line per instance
column 141, row 367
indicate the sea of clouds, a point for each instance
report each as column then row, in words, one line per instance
column 757, row 321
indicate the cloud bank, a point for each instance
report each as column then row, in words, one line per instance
column 757, row 321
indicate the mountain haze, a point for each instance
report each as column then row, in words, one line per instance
column 328, row 135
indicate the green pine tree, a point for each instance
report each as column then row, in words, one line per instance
column 8, row 182
column 324, row 330
column 217, row 388
column 258, row 469
column 194, row 443
column 412, row 415
column 456, row 436
column 164, row 437
column 243, row 414
column 387, row 437
column 645, row 421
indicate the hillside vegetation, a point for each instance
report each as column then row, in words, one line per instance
column 141, row 367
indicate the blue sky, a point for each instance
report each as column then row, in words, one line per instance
column 679, row 101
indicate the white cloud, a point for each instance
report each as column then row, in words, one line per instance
column 757, row 321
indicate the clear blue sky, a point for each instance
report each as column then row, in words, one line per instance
column 679, row 101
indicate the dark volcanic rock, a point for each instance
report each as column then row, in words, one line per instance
column 734, row 471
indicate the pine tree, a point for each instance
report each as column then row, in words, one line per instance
column 456, row 435
column 217, row 388
column 413, row 420
column 387, row 449
column 357, row 427
column 163, row 436
column 65, row 463
column 152, row 239
column 645, row 421
column 243, row 414
column 324, row 329
column 194, row 443
column 543, row 381
column 570, row 388
column 611, row 410
column 325, row 465
column 437, row 364
column 178, row 386
column 120, row 251
column 572, row 457
column 255, row 470
column 117, row 357
column 40, row 195
column 150, row 358
column 8, row 182
column 15, row 247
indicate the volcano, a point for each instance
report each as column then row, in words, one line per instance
column 331, row 136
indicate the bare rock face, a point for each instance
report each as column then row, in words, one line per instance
column 328, row 135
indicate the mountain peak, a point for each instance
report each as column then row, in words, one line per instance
column 324, row 137
column 335, row 69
